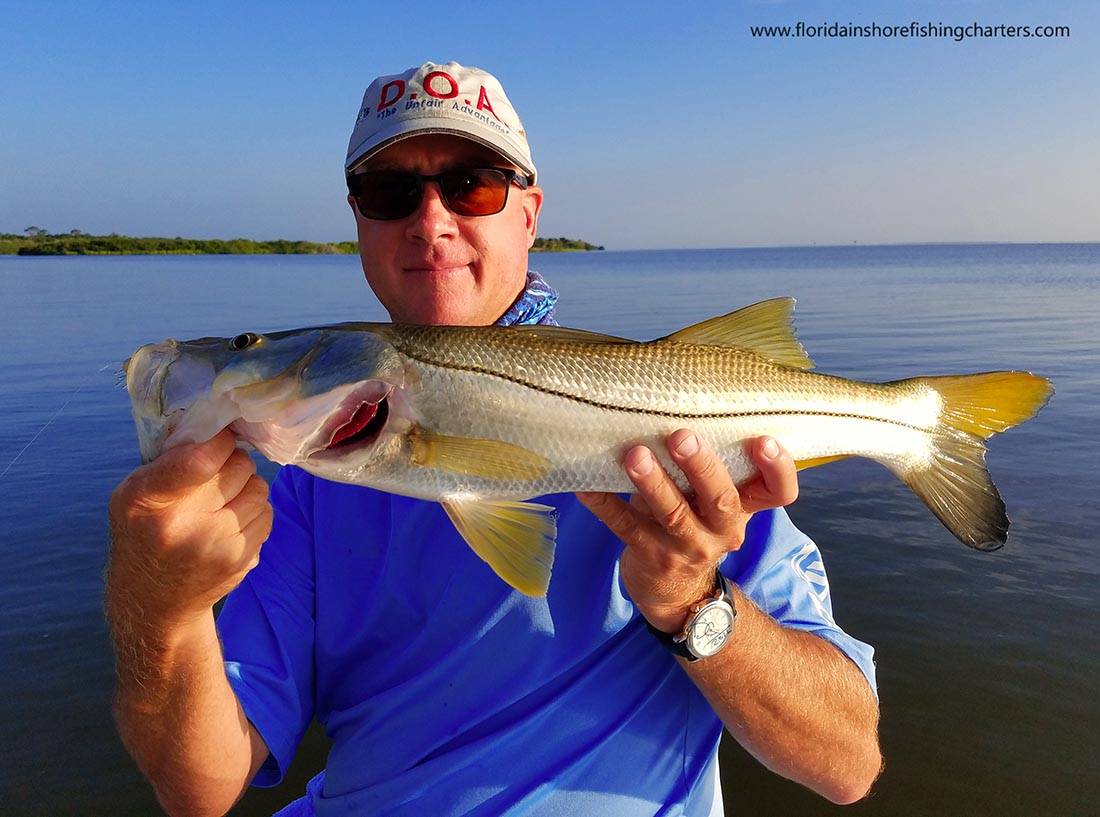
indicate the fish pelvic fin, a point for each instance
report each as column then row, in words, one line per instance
column 956, row 484
column 475, row 457
column 764, row 328
column 516, row 539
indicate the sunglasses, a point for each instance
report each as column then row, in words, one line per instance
column 387, row 195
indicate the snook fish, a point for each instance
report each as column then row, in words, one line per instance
column 482, row 418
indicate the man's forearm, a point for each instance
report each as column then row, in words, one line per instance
column 185, row 530
column 177, row 714
column 797, row 703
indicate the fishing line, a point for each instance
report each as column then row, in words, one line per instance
column 64, row 405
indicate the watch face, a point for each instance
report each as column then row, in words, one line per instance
column 710, row 629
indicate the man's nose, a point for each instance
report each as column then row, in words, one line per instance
column 432, row 219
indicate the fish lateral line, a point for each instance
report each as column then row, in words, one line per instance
column 687, row 415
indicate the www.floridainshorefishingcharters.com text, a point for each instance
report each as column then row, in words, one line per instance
column 914, row 30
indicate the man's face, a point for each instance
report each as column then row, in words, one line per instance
column 436, row 267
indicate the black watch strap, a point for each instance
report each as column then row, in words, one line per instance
column 677, row 643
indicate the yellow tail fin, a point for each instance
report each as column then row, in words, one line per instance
column 987, row 404
column 956, row 484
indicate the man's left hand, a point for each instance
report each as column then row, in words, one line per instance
column 674, row 542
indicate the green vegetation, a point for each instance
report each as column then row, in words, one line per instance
column 562, row 245
column 39, row 242
column 36, row 241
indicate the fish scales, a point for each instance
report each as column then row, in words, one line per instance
column 536, row 393
column 671, row 378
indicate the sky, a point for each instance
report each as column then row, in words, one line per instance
column 653, row 124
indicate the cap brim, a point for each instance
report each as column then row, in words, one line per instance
column 427, row 125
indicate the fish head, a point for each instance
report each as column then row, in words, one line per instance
column 290, row 395
column 169, row 382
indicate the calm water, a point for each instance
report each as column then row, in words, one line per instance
column 989, row 664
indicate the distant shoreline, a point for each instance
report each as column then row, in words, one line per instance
column 39, row 242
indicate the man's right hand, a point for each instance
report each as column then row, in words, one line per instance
column 186, row 528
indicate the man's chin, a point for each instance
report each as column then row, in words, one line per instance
column 444, row 314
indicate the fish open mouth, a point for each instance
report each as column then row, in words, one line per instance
column 364, row 426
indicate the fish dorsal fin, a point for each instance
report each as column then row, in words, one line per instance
column 764, row 328
column 516, row 539
column 567, row 335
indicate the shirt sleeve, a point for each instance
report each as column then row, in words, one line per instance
column 267, row 630
column 781, row 570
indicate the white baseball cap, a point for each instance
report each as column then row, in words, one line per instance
column 448, row 98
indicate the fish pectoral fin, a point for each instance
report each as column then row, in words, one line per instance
column 813, row 462
column 516, row 539
column 764, row 328
column 491, row 459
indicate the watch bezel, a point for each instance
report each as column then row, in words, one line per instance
column 704, row 645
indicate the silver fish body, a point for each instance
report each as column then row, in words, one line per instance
column 483, row 418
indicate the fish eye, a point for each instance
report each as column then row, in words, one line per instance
column 244, row 341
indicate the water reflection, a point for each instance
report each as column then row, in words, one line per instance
column 987, row 662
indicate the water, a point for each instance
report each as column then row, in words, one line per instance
column 989, row 667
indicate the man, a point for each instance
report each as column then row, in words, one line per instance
column 444, row 691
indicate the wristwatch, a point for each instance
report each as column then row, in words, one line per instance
column 708, row 628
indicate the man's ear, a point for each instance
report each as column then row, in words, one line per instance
column 532, row 205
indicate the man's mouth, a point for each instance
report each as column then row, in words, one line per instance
column 436, row 267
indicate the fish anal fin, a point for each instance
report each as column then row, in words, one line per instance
column 516, row 539
column 813, row 462
column 764, row 328
column 491, row 459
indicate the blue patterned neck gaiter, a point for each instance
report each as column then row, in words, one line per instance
column 534, row 305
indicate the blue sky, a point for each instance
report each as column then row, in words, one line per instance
column 652, row 124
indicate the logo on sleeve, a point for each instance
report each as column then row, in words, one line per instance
column 808, row 566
